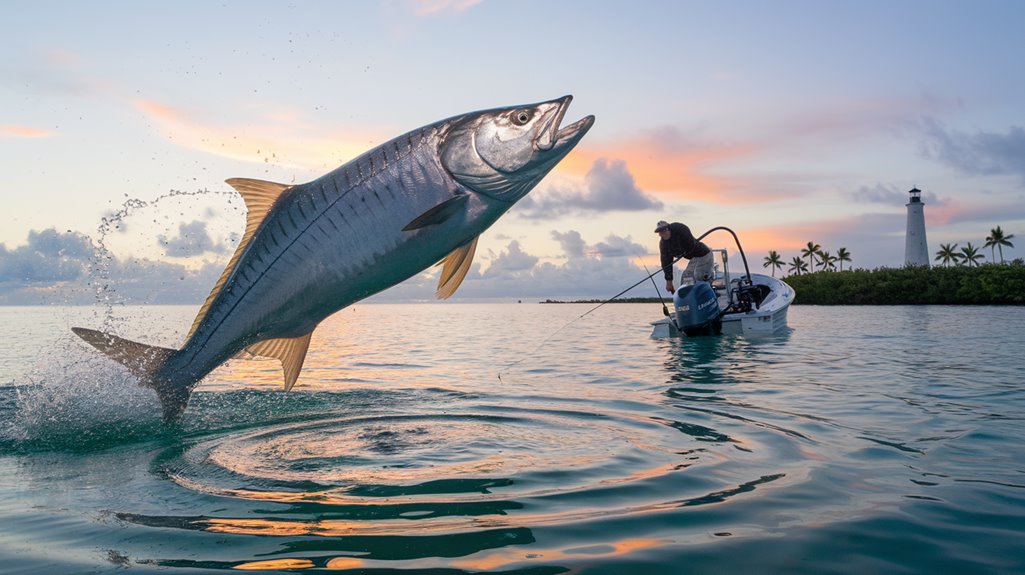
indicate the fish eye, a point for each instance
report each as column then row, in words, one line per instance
column 521, row 117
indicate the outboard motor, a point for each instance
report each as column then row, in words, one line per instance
column 697, row 310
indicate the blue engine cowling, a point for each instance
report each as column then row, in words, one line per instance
column 697, row 310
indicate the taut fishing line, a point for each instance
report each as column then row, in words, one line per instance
column 649, row 276
column 581, row 316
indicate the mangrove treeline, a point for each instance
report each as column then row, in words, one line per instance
column 989, row 284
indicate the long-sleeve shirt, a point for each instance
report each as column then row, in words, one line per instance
column 681, row 243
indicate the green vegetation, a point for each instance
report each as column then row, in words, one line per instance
column 962, row 279
column 989, row 284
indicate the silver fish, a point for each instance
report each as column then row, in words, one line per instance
column 312, row 249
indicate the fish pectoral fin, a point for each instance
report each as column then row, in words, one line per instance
column 454, row 268
column 290, row 351
column 439, row 213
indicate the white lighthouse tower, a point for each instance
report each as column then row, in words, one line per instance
column 916, row 248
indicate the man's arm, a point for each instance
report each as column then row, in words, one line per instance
column 667, row 268
column 667, row 263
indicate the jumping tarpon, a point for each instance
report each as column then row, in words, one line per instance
column 312, row 249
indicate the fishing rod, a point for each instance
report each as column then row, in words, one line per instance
column 678, row 258
column 743, row 257
column 581, row 316
column 665, row 310
column 650, row 276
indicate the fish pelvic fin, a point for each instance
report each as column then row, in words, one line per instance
column 144, row 361
column 454, row 268
column 290, row 351
column 439, row 213
column 260, row 197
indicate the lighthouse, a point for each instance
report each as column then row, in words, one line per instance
column 916, row 248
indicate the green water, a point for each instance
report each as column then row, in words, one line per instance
column 442, row 438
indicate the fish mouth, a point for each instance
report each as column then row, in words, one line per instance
column 551, row 137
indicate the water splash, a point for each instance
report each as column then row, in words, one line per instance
column 104, row 259
column 78, row 400
column 81, row 406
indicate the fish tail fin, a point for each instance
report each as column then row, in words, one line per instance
column 144, row 361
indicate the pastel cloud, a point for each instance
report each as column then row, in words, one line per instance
column 768, row 161
column 669, row 162
column 956, row 211
column 282, row 140
column 16, row 131
column 979, row 153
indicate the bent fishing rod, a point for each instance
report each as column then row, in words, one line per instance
column 649, row 276
column 663, row 268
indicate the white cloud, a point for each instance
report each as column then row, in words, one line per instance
column 65, row 268
column 608, row 186
column 192, row 240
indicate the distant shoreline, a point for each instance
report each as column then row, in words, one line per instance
column 988, row 284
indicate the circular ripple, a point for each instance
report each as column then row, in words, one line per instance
column 447, row 456
column 447, row 472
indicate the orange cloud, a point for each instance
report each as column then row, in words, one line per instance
column 15, row 131
column 282, row 141
column 666, row 163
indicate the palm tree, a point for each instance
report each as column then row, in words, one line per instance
column 998, row 240
column 774, row 261
column 810, row 252
column 948, row 254
column 971, row 256
column 826, row 260
column 797, row 266
column 842, row 255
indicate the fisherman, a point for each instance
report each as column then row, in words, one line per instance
column 678, row 242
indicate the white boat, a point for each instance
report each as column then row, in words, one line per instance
column 740, row 304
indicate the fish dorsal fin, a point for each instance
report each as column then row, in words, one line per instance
column 259, row 197
column 439, row 213
column 291, row 352
column 455, row 265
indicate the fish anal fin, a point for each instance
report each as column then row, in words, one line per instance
column 454, row 268
column 259, row 197
column 290, row 351
column 439, row 213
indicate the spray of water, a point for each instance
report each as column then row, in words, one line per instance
column 80, row 400
column 104, row 259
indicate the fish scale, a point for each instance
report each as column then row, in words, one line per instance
column 291, row 233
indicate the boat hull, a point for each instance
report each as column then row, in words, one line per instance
column 769, row 317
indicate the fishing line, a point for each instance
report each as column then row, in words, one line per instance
column 665, row 310
column 581, row 316
column 649, row 276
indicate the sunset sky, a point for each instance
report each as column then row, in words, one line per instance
column 786, row 121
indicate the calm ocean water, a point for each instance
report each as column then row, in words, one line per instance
column 444, row 437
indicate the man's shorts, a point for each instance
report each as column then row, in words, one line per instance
column 699, row 268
